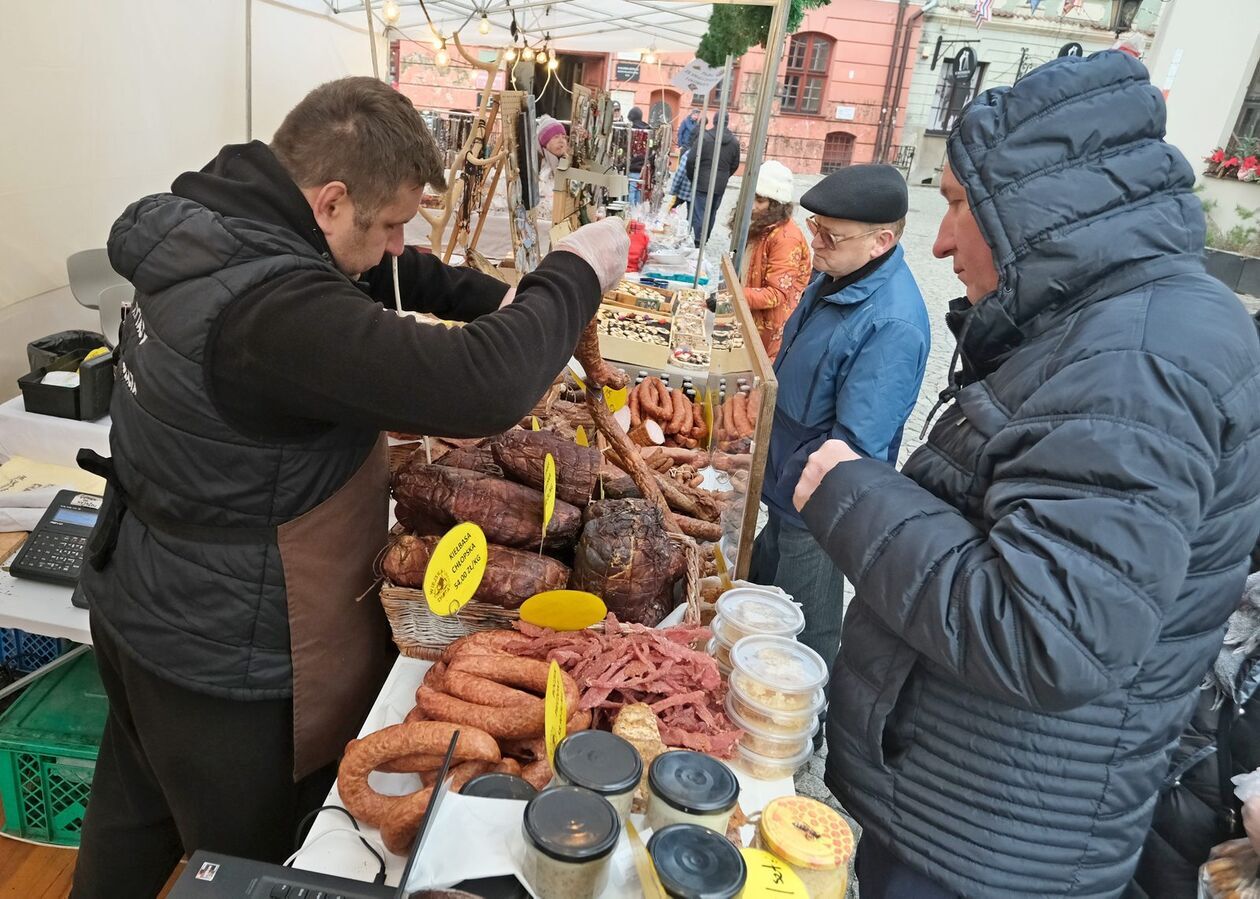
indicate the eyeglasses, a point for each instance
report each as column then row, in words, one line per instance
column 830, row 241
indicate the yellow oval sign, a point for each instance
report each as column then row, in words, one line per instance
column 455, row 569
column 564, row 610
column 556, row 713
column 616, row 398
column 769, row 875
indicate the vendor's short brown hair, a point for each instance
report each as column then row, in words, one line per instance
column 364, row 133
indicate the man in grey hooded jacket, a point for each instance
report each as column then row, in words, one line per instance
column 1042, row 588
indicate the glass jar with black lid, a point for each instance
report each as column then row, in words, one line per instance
column 694, row 862
column 570, row 834
column 686, row 787
column 601, row 762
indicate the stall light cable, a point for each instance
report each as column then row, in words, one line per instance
column 297, row 837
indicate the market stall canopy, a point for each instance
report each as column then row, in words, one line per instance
column 602, row 26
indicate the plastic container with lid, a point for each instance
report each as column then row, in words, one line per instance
column 686, row 787
column 814, row 839
column 721, row 653
column 570, row 834
column 771, row 742
column 601, row 762
column 694, row 862
column 777, row 672
column 779, row 722
column 765, row 767
column 751, row 611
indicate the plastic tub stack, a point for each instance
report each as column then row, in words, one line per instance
column 776, row 684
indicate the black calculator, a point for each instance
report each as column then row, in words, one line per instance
column 54, row 550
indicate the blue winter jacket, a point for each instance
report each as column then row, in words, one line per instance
column 850, row 367
column 1042, row 588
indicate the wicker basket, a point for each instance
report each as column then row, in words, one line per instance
column 419, row 634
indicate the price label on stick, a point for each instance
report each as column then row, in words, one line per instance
column 581, row 437
column 549, row 493
column 455, row 569
column 616, row 398
column 533, row 423
column 556, row 714
column 771, row 876
column 563, row 610
column 649, row 880
column 708, row 416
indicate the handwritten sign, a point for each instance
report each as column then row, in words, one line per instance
column 581, row 438
column 697, row 77
column 563, row 610
column 456, row 568
column 549, row 491
column 556, row 715
column 769, row 875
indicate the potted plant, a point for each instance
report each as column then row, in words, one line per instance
column 1233, row 254
column 1239, row 158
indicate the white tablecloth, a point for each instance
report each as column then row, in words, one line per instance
column 342, row 854
column 47, row 438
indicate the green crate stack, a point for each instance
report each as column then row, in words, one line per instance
column 49, row 739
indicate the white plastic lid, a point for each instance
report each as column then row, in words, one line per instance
column 755, row 611
column 816, row 703
column 761, row 733
column 787, row 766
column 779, row 663
column 711, row 648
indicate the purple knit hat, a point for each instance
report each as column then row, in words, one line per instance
column 548, row 128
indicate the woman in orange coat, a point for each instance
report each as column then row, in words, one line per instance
column 778, row 256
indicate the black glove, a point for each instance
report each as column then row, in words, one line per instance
column 711, row 303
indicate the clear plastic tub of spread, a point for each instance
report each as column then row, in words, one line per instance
column 764, row 767
column 749, row 612
column 780, row 722
column 721, row 653
column 770, row 742
column 777, row 672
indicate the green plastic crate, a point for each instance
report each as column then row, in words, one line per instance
column 49, row 739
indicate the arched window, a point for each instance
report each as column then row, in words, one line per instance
column 808, row 65
column 837, row 151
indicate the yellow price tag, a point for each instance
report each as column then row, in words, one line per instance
column 549, row 491
column 455, row 569
column 557, row 711
column 533, row 423
column 769, row 875
column 721, row 566
column 649, row 880
column 580, row 382
column 581, row 437
column 563, row 610
column 616, row 398
column 707, row 406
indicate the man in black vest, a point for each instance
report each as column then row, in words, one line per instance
column 247, row 487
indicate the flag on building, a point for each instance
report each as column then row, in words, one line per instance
column 1069, row 5
column 1034, row 4
column 984, row 11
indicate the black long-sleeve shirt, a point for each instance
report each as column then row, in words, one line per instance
column 312, row 349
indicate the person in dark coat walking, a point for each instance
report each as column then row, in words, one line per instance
column 1043, row 587
column 1197, row 808
column 687, row 129
column 726, row 157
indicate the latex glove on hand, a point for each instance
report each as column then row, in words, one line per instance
column 604, row 246
column 819, row 465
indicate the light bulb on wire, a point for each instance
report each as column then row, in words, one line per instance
column 390, row 12
column 527, row 54
column 442, row 58
column 484, row 26
column 649, row 58
column 511, row 54
column 553, row 64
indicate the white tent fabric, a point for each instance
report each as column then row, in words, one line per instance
column 602, row 26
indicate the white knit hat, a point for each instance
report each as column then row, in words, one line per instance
column 774, row 181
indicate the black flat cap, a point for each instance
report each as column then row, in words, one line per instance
column 860, row 193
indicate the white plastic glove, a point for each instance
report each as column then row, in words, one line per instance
column 604, row 246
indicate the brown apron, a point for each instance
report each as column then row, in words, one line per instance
column 340, row 639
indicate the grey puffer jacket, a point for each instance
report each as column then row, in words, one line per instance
column 1041, row 591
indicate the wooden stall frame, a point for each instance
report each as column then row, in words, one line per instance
column 763, row 370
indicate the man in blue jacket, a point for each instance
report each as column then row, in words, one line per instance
column 1043, row 587
column 851, row 363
